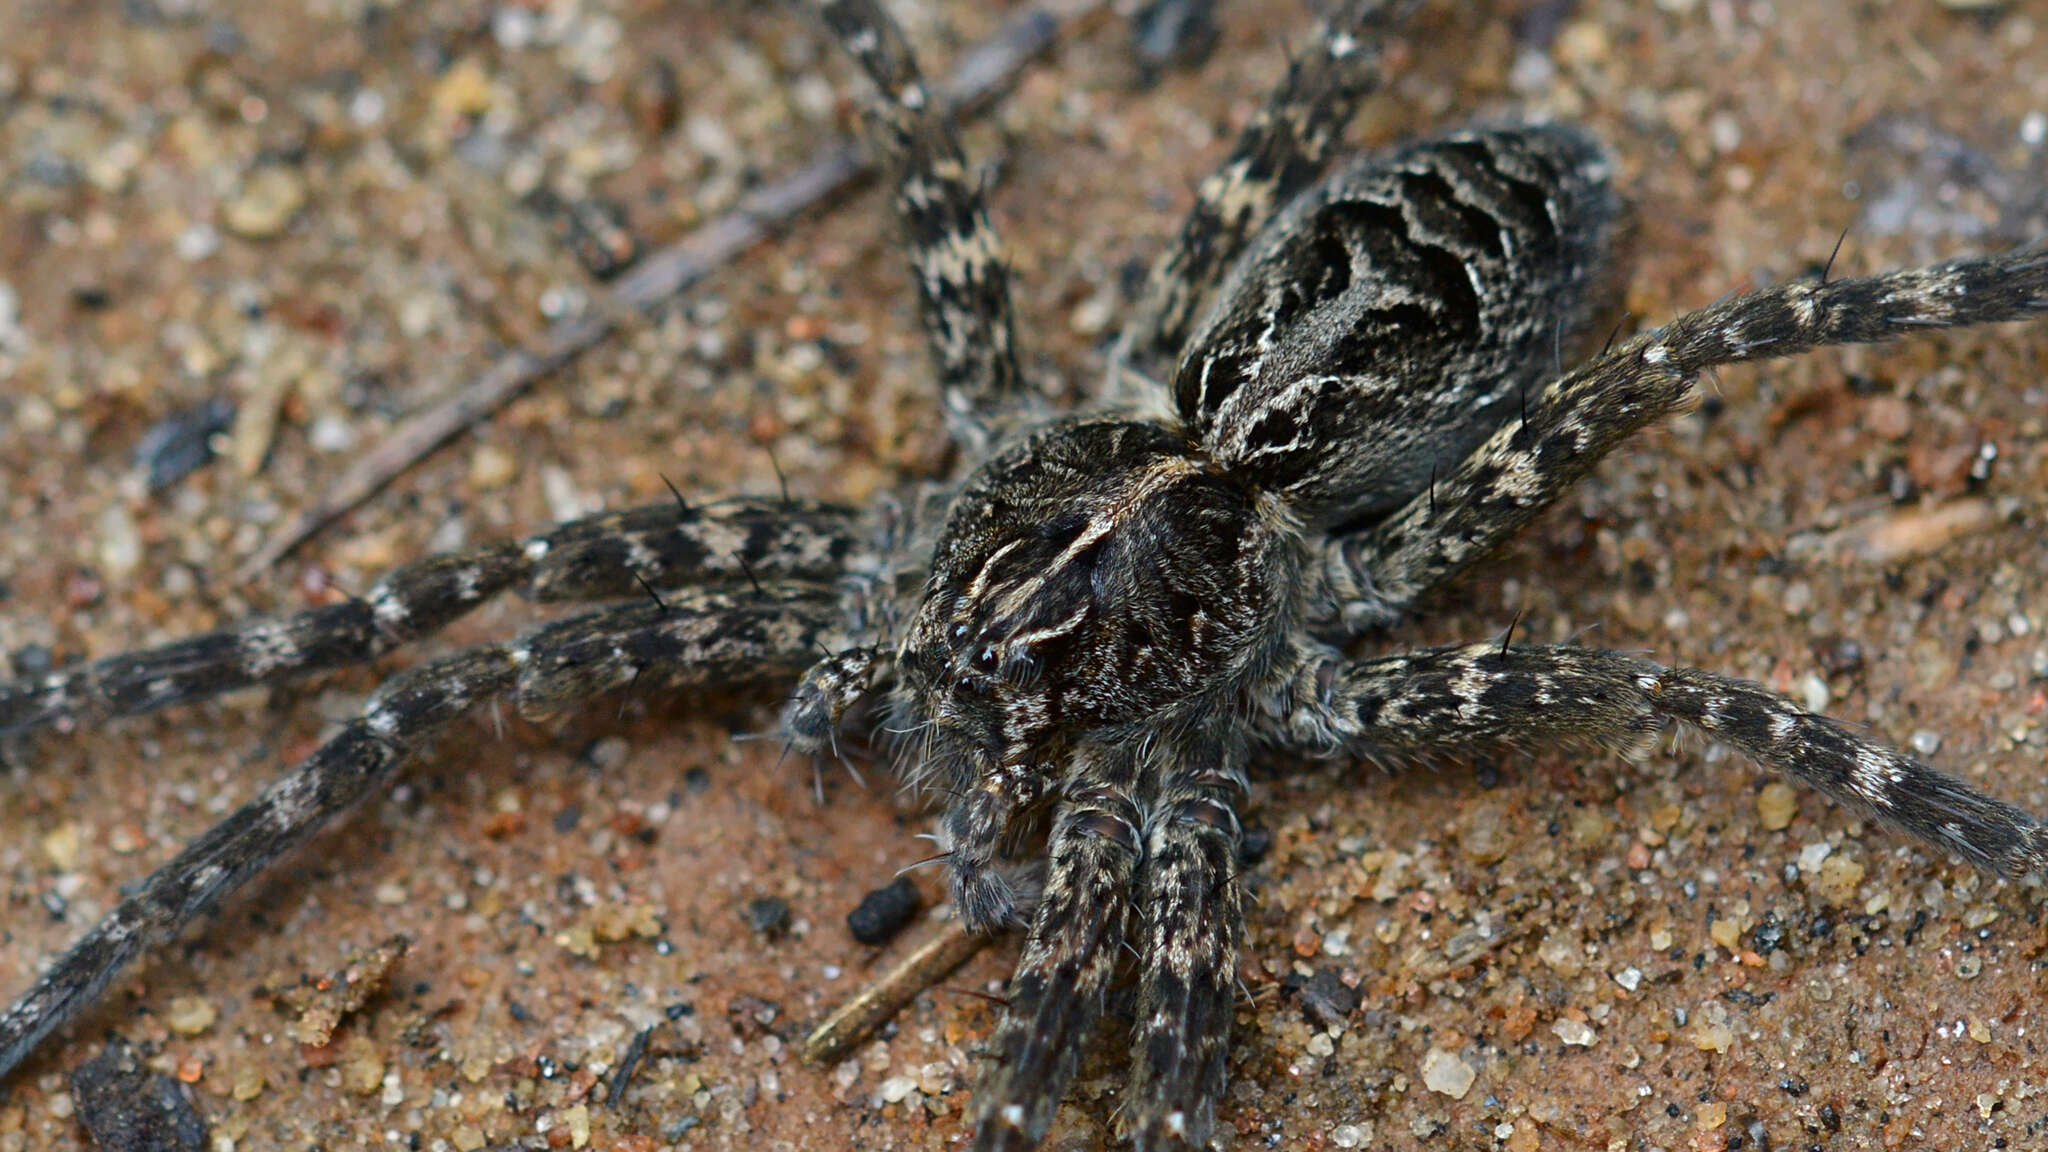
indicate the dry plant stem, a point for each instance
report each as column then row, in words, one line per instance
column 981, row 75
column 855, row 1021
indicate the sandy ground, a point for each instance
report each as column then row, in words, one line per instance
column 321, row 218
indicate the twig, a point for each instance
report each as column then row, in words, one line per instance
column 858, row 1018
column 983, row 73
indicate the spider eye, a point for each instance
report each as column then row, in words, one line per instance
column 959, row 634
column 986, row 660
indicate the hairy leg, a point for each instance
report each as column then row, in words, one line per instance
column 1190, row 909
column 1447, row 701
column 612, row 555
column 963, row 283
column 1282, row 150
column 1374, row 575
column 709, row 639
column 1076, row 934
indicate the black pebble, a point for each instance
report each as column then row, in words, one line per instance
column 768, row 916
column 128, row 1108
column 883, row 912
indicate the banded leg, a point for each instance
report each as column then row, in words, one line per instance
column 285, row 815
column 1449, row 700
column 713, row 639
column 690, row 638
column 1374, row 575
column 963, row 283
column 610, row 555
column 1192, row 909
column 1071, row 952
column 1281, row 151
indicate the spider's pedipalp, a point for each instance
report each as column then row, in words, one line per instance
column 1374, row 575
column 1057, row 992
column 1448, row 701
column 1189, row 916
column 956, row 258
column 825, row 693
column 1284, row 147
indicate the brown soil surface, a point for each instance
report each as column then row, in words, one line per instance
column 315, row 212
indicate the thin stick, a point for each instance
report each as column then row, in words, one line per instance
column 859, row 1017
column 983, row 73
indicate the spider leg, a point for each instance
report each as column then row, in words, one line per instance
column 692, row 637
column 1058, row 989
column 1281, row 150
column 1436, row 701
column 729, row 542
column 1375, row 574
column 697, row 638
column 1191, row 911
column 602, row 556
column 334, row 778
column 963, row 282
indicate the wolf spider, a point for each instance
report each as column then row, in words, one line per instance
column 1079, row 640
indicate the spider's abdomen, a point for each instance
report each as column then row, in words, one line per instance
column 1386, row 320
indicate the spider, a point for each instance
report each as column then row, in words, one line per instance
column 1182, row 768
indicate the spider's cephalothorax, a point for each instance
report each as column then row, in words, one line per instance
column 1338, row 392
column 1100, row 581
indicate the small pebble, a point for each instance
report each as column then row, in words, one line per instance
column 362, row 1067
column 120, row 543
column 196, row 243
column 1714, row 1037
column 768, row 916
column 1326, row 1000
column 61, row 845
column 1813, row 692
column 1583, row 43
column 1725, row 932
column 1576, row 1033
column 266, row 202
column 464, row 90
column 1447, row 1073
column 1484, row 836
column 127, row 1107
column 1560, row 954
column 491, row 467
column 183, row 442
column 190, row 1015
column 577, row 1120
column 1776, row 805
